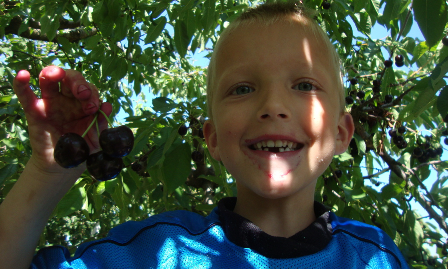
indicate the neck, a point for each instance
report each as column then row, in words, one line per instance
column 282, row 217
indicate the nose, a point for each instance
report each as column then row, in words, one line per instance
column 274, row 105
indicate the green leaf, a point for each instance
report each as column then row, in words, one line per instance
column 414, row 229
column 163, row 104
column 419, row 50
column 391, row 11
column 155, row 30
column 181, row 39
column 72, row 201
column 431, row 17
column 208, row 20
column 176, row 167
column 8, row 170
column 442, row 102
column 439, row 72
column 423, row 101
column 390, row 191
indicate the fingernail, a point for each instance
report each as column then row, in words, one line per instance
column 82, row 88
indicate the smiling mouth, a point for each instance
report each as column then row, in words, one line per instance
column 276, row 146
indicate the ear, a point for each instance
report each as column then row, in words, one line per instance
column 346, row 128
column 211, row 139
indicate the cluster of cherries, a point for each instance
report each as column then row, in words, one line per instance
column 399, row 140
column 71, row 150
column 399, row 62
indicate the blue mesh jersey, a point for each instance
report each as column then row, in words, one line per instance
column 182, row 239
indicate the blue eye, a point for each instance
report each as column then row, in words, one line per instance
column 243, row 90
column 304, row 86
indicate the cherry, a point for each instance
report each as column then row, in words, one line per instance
column 197, row 156
column 200, row 133
column 417, row 152
column 432, row 153
column 338, row 173
column 399, row 60
column 182, row 130
column 117, row 142
column 393, row 133
column 103, row 167
column 349, row 100
column 398, row 139
column 402, row 145
column 376, row 89
column 136, row 166
column 402, row 129
column 360, row 94
column 71, row 150
column 445, row 41
column 388, row 63
column 388, row 98
column 354, row 81
column 446, row 141
column 376, row 83
column 439, row 151
column 326, row 5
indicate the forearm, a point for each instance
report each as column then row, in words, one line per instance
column 25, row 212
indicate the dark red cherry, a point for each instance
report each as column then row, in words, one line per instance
column 326, row 5
column 393, row 133
column 418, row 152
column 117, row 142
column 402, row 129
column 197, row 156
column 182, row 130
column 388, row 63
column 338, row 173
column 103, row 167
column 71, row 150
column 349, row 100
column 361, row 94
column 388, row 98
column 354, row 81
column 445, row 41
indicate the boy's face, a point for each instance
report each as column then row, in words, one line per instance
column 275, row 84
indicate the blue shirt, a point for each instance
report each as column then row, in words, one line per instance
column 182, row 239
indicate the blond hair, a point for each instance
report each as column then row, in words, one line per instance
column 268, row 14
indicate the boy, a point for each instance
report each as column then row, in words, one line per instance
column 276, row 119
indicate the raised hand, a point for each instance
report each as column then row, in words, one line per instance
column 68, row 104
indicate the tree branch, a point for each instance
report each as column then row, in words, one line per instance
column 73, row 31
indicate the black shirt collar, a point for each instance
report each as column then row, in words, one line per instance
column 244, row 233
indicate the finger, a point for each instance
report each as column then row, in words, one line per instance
column 23, row 91
column 74, row 84
column 91, row 105
column 49, row 79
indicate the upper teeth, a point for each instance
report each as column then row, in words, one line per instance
column 283, row 145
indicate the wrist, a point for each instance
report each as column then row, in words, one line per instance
column 52, row 173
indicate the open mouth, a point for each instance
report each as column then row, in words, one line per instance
column 276, row 146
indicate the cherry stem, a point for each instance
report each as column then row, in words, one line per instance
column 90, row 126
column 107, row 118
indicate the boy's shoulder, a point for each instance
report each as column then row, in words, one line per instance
column 190, row 222
column 361, row 239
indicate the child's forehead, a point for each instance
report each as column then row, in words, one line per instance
column 258, row 40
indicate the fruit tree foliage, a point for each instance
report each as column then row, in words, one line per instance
column 123, row 46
